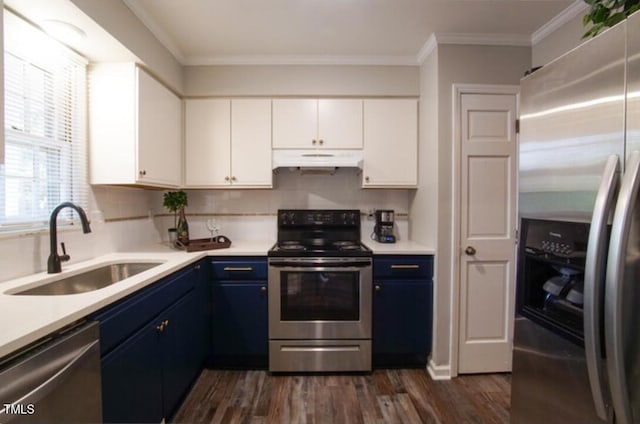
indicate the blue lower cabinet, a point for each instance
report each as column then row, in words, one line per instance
column 146, row 376
column 181, row 361
column 401, row 323
column 402, row 312
column 239, row 324
column 132, row 380
column 239, row 317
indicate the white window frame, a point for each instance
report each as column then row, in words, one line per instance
column 45, row 129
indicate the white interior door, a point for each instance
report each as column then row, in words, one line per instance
column 487, row 232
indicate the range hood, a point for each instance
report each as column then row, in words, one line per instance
column 317, row 161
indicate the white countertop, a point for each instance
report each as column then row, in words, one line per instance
column 25, row 319
column 400, row 247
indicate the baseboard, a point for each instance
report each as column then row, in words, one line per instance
column 439, row 372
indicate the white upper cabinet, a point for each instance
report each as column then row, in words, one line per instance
column 135, row 127
column 317, row 123
column 228, row 143
column 251, row 143
column 390, row 143
column 207, row 140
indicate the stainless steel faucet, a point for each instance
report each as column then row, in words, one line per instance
column 54, row 263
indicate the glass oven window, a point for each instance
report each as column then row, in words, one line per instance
column 316, row 295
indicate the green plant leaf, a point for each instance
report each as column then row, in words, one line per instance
column 633, row 8
column 600, row 14
column 614, row 19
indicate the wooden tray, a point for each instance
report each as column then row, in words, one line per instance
column 195, row 245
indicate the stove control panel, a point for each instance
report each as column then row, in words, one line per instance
column 311, row 217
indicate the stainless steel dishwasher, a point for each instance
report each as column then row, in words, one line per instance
column 57, row 381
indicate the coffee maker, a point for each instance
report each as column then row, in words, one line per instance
column 383, row 229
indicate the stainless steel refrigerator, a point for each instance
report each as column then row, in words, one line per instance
column 577, row 332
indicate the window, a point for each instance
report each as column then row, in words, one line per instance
column 45, row 128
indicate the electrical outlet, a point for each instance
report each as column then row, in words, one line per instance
column 371, row 214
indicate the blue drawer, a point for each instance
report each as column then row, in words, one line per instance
column 124, row 318
column 239, row 269
column 401, row 267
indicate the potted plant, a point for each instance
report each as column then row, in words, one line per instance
column 603, row 14
column 175, row 201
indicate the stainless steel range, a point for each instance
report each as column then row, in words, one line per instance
column 319, row 293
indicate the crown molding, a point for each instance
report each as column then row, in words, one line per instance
column 577, row 7
column 302, row 60
column 155, row 29
column 429, row 47
column 471, row 39
column 484, row 39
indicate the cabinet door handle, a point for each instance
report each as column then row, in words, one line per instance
column 143, row 172
column 226, row 178
column 233, row 179
column 405, row 266
column 378, row 287
column 238, row 268
column 263, row 289
column 314, row 142
column 367, row 179
column 321, row 142
column 197, row 267
column 160, row 327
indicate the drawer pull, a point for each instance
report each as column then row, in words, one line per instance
column 405, row 266
column 238, row 268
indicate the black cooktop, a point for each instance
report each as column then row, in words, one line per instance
column 294, row 249
column 319, row 232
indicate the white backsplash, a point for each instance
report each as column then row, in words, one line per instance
column 125, row 218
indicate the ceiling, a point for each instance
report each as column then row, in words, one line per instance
column 199, row 32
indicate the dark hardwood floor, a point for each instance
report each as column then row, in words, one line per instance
column 383, row 397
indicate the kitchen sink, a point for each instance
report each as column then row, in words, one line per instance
column 89, row 280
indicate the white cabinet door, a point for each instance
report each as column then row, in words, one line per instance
column 340, row 123
column 135, row 128
column 207, row 142
column 295, row 123
column 317, row 124
column 251, row 143
column 390, row 143
column 159, row 133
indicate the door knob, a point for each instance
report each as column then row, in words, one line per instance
column 470, row 250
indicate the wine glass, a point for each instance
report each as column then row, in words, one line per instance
column 212, row 226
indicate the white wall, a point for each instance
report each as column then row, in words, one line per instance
column 303, row 80
column 424, row 200
column 563, row 39
column 119, row 222
column 117, row 19
column 251, row 214
column 456, row 64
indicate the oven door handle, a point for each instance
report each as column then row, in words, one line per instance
column 350, row 264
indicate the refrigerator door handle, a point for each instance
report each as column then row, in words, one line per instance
column 614, row 286
column 594, row 280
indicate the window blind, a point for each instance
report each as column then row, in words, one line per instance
column 45, row 128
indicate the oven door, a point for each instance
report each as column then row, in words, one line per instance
column 320, row 298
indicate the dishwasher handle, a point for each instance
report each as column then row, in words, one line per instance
column 54, row 381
